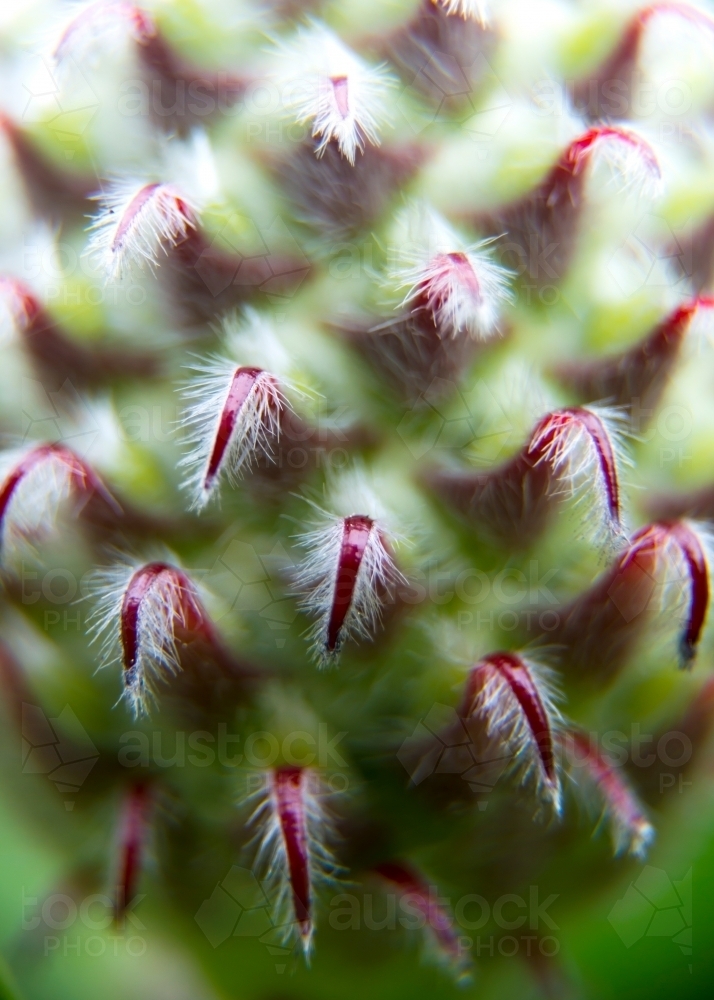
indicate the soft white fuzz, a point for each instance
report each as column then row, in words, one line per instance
column 461, row 285
column 323, row 82
column 169, row 601
column 316, row 577
column 136, row 221
column 251, row 342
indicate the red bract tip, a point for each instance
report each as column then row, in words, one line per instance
column 38, row 483
column 453, row 287
column 20, row 302
column 132, row 843
column 664, row 568
column 424, row 901
column 104, row 25
column 542, row 226
column 631, row 830
column 142, row 614
column 574, row 452
column 98, row 21
column 293, row 831
column 234, row 419
column 627, row 151
column 135, row 222
column 678, row 546
column 610, row 91
column 291, row 815
column 514, row 698
column 345, row 579
column 557, row 441
column 640, row 373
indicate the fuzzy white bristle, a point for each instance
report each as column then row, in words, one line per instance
column 323, row 82
column 169, row 601
column 316, row 826
column 507, row 725
column 98, row 24
column 458, row 283
column 583, row 471
column 470, row 10
column 604, row 784
column 673, row 596
column 632, row 159
column 631, row 835
column 135, row 221
column 35, row 503
column 316, row 578
column 252, row 338
column 701, row 325
column 253, row 427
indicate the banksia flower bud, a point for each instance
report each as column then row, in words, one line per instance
column 131, row 844
column 543, row 225
column 136, row 222
column 235, row 411
column 144, row 616
column 99, row 22
column 573, row 452
column 515, row 700
column 640, row 373
column 611, row 91
column 36, row 483
column 451, row 286
column 444, row 944
column 348, row 573
column 631, row 831
column 55, row 355
column 455, row 293
column 325, row 84
column 665, row 569
column 293, row 830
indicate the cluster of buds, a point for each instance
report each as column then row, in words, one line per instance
column 448, row 296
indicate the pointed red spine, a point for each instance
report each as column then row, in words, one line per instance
column 423, row 899
column 132, row 843
column 288, row 788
